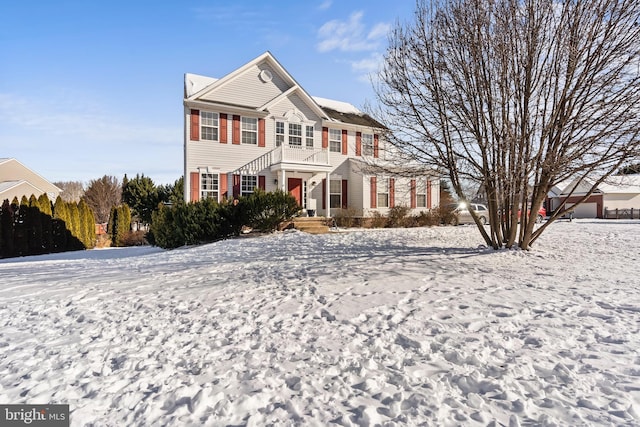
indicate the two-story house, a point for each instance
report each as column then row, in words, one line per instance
column 258, row 128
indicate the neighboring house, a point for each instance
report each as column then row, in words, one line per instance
column 16, row 180
column 258, row 128
column 618, row 192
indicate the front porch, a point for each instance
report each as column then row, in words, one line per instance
column 294, row 169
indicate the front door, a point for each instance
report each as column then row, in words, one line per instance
column 294, row 186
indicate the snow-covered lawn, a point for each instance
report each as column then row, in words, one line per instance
column 365, row 327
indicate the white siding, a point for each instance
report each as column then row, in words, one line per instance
column 248, row 89
column 621, row 201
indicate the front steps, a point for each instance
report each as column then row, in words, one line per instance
column 311, row 224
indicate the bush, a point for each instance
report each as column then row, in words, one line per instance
column 265, row 211
column 428, row 219
column 346, row 217
column 378, row 220
column 135, row 238
column 398, row 217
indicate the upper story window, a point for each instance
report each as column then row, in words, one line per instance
column 279, row 133
column 367, row 144
column 309, row 136
column 209, row 186
column 295, row 134
column 209, row 125
column 292, row 132
column 249, row 126
column 335, row 140
column 248, row 184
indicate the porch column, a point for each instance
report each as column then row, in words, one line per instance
column 283, row 178
column 328, row 196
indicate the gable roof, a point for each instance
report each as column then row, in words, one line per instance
column 198, row 87
column 615, row 184
column 14, row 174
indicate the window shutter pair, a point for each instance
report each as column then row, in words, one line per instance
column 195, row 126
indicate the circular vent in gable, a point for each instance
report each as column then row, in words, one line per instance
column 265, row 76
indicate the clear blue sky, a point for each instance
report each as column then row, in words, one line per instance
column 92, row 88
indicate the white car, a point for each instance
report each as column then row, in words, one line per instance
column 461, row 215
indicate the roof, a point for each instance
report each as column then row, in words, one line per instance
column 196, row 86
column 621, row 184
column 615, row 184
column 194, row 83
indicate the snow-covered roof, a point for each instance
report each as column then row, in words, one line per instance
column 621, row 184
column 194, row 83
column 342, row 107
column 6, row 185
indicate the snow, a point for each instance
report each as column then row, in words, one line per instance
column 343, row 107
column 353, row 328
column 194, row 83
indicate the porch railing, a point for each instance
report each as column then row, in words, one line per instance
column 287, row 154
column 300, row 155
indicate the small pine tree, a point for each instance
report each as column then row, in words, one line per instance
column 21, row 234
column 88, row 222
column 59, row 225
column 44, row 204
column 6, row 224
column 34, row 227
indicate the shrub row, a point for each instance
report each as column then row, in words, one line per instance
column 207, row 220
column 398, row 216
column 35, row 226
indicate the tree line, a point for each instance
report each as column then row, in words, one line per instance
column 35, row 226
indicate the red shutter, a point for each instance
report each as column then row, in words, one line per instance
column 324, row 194
column 374, row 192
column 358, row 143
column 262, row 182
column 195, row 186
column 223, row 128
column 223, row 186
column 344, row 141
column 195, row 125
column 235, row 131
column 392, row 192
column 429, row 194
column 376, row 145
column 261, row 133
column 413, row 194
column 236, row 186
column 325, row 137
column 345, row 189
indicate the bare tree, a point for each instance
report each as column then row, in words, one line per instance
column 515, row 96
column 72, row 191
column 101, row 195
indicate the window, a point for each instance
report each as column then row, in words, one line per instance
column 209, row 125
column 367, row 144
column 335, row 140
column 421, row 194
column 335, row 193
column 209, row 186
column 309, row 136
column 249, row 130
column 295, row 134
column 383, row 193
column 248, row 184
column 279, row 133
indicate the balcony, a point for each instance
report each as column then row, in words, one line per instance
column 287, row 157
